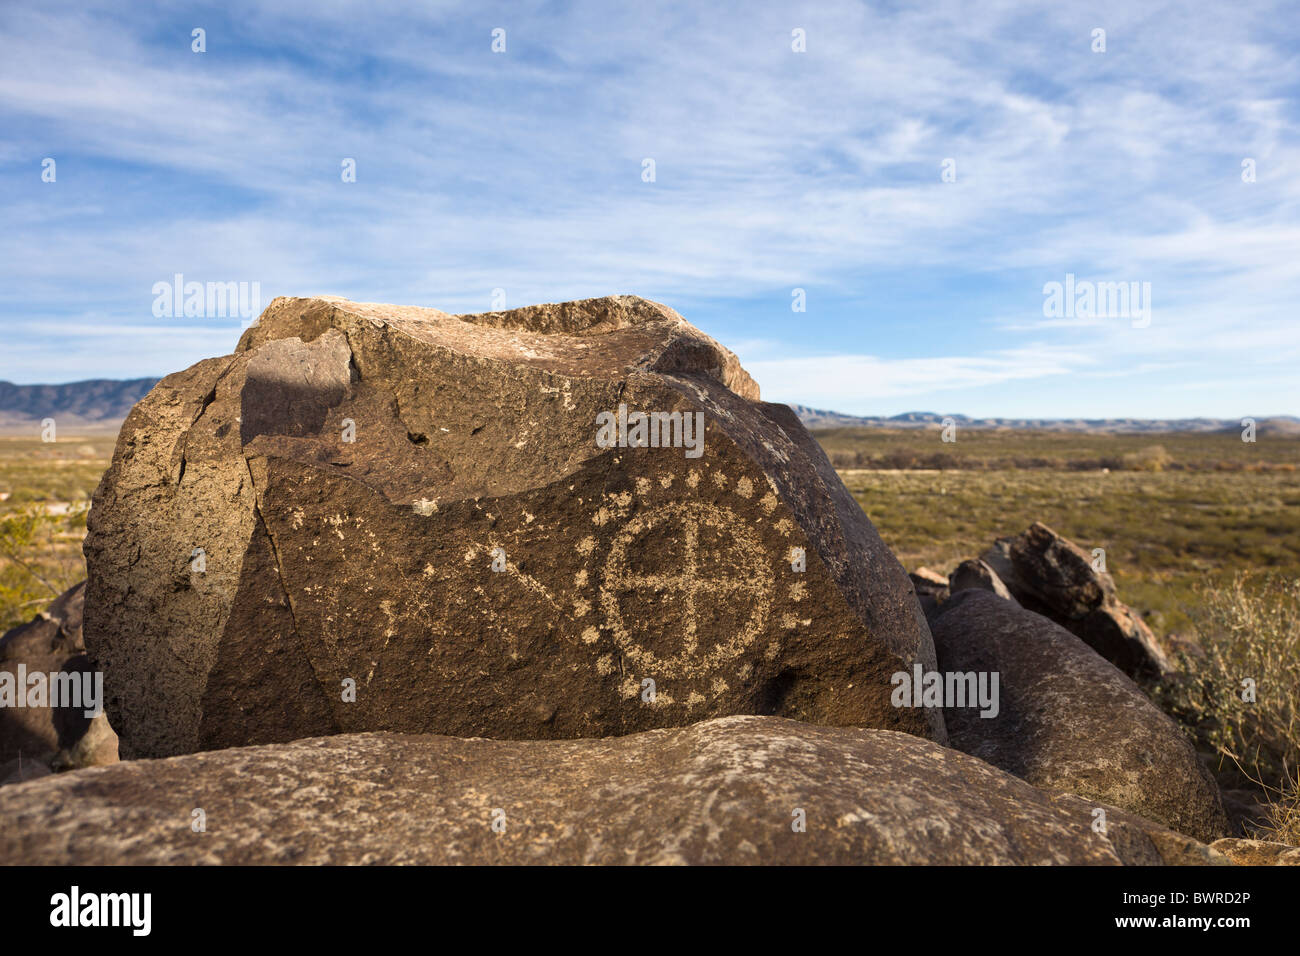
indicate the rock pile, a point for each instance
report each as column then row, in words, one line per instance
column 39, row 736
column 1054, row 577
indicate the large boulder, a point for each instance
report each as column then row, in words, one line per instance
column 1068, row 720
column 40, row 657
column 727, row 791
column 1053, row 576
column 375, row 517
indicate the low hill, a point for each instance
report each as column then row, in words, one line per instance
column 93, row 405
column 820, row 418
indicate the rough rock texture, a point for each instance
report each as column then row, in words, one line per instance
column 974, row 573
column 1257, row 852
column 326, row 560
column 723, row 791
column 1054, row 577
column 36, row 740
column 1069, row 720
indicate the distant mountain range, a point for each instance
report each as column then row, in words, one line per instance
column 94, row 405
column 101, row 404
column 819, row 418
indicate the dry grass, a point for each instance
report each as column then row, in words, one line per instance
column 1165, row 533
column 1239, row 695
column 1282, row 813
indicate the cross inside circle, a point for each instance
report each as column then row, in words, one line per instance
column 750, row 583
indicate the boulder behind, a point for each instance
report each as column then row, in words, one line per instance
column 1068, row 720
column 1053, row 576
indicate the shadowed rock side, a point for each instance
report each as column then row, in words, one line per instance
column 974, row 573
column 328, row 560
column 35, row 741
column 1069, row 720
column 723, row 791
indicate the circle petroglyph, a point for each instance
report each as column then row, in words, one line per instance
column 660, row 553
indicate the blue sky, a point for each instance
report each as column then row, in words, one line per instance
column 775, row 170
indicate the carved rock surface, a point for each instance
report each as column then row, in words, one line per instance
column 324, row 509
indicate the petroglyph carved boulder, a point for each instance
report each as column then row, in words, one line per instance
column 376, row 517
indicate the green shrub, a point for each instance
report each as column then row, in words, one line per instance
column 1151, row 458
column 1247, row 632
column 39, row 559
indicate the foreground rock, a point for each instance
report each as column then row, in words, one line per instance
column 37, row 740
column 731, row 790
column 1068, row 720
column 1257, row 852
column 413, row 508
column 1055, row 577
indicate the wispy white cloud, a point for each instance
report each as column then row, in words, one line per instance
column 856, row 378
